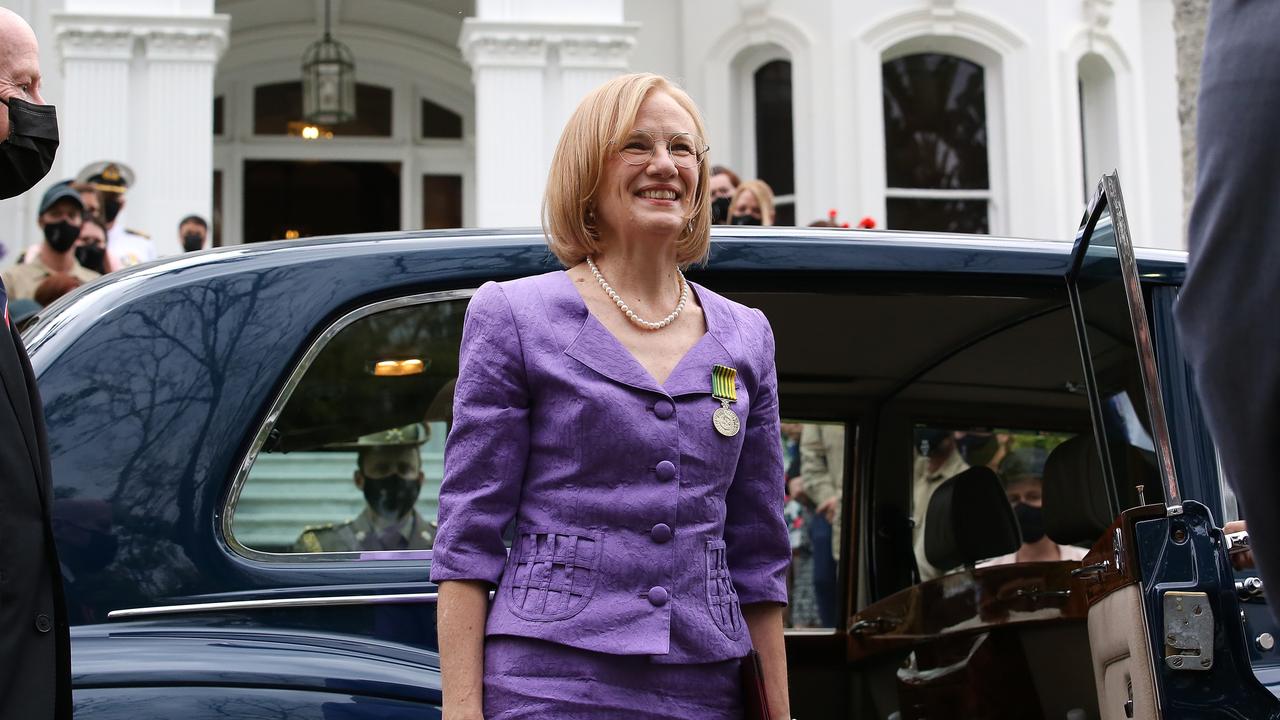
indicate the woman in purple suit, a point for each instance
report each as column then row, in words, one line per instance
column 626, row 421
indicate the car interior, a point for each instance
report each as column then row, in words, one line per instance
column 1002, row 641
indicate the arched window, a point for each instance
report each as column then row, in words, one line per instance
column 1099, row 135
column 277, row 110
column 935, row 127
column 775, row 147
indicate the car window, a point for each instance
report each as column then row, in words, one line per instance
column 353, row 460
column 1018, row 457
column 814, row 460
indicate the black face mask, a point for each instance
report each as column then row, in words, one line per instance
column 720, row 210
column 91, row 257
column 192, row 241
column 745, row 220
column 110, row 208
column 27, row 155
column 61, row 235
column 1031, row 520
column 391, row 497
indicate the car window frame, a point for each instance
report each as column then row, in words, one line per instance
column 268, row 424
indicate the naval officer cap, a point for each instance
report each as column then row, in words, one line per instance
column 107, row 176
column 411, row 435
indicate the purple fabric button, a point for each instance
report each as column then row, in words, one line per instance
column 658, row 596
column 661, row 532
column 666, row 470
column 663, row 409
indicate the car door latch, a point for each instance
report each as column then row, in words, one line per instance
column 1188, row 631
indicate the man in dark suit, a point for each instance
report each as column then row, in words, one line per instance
column 35, row 656
column 1226, row 311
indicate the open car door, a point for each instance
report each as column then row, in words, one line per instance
column 1164, row 620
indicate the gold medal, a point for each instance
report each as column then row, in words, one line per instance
column 725, row 389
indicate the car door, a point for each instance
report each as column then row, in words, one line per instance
column 1164, row 619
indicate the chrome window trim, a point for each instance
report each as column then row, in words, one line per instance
column 271, row 603
column 242, row 475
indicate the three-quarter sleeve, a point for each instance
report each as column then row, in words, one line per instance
column 488, row 446
column 757, row 547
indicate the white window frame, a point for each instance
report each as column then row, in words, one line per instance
column 995, row 135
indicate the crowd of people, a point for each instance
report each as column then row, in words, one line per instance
column 84, row 238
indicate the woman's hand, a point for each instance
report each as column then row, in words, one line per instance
column 764, row 621
column 460, row 618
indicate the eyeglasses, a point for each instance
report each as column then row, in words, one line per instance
column 685, row 150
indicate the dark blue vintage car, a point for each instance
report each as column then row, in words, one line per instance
column 207, row 415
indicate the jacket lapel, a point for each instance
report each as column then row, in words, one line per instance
column 13, row 376
column 692, row 374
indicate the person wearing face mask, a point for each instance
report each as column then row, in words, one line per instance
column 752, row 204
column 193, row 231
column 59, row 219
column 389, row 475
column 91, row 248
column 34, row 635
column 111, row 180
column 1022, row 472
column 723, row 182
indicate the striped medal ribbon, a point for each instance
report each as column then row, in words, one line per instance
column 724, row 389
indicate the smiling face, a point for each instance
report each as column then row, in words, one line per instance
column 654, row 197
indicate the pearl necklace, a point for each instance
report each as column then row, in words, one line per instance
column 622, row 305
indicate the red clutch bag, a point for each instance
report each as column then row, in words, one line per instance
column 755, row 701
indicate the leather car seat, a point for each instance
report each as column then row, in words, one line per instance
column 1077, row 509
column 968, row 520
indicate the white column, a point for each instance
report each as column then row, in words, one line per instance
column 139, row 90
column 94, row 116
column 178, row 122
column 531, row 65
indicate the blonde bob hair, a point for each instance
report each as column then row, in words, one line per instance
column 605, row 116
column 764, row 198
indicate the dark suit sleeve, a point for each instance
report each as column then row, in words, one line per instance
column 1226, row 312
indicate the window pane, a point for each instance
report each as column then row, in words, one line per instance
column 784, row 214
column 296, row 198
column 935, row 123
column 440, row 122
column 1017, row 456
column 961, row 216
column 277, row 110
column 218, row 110
column 441, row 201
column 774, row 144
column 357, row 456
column 217, row 209
column 814, row 458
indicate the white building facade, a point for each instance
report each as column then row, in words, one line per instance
column 974, row 115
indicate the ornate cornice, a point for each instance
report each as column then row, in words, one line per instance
column 114, row 37
column 1097, row 14
column 510, row 44
column 95, row 42
column 596, row 51
column 185, row 44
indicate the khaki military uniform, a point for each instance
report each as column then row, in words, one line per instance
column 414, row 532
column 21, row 280
column 924, row 485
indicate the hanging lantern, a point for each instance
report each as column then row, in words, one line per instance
column 328, row 80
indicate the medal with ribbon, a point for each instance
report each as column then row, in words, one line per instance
column 725, row 389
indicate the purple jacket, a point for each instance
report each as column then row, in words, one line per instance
column 639, row 530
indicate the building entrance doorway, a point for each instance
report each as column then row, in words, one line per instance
column 286, row 199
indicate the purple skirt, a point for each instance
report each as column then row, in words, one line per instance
column 526, row 679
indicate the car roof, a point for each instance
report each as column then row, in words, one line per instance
column 736, row 248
